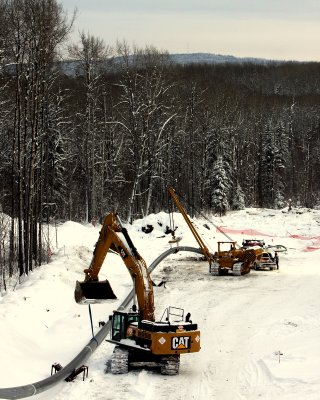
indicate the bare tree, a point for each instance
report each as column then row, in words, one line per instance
column 144, row 115
column 35, row 29
column 92, row 55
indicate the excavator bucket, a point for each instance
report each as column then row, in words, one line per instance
column 93, row 292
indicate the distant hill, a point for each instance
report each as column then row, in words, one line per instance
column 208, row 58
column 71, row 67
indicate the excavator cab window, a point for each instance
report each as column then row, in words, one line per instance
column 133, row 317
column 120, row 323
column 119, row 326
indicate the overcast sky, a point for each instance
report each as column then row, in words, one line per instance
column 272, row 29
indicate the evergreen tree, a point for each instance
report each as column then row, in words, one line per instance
column 220, row 186
column 266, row 178
column 237, row 201
column 280, row 157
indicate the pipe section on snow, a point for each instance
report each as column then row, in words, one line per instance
column 21, row 392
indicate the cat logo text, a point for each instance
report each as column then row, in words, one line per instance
column 180, row 343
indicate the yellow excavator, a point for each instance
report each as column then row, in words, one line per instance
column 237, row 261
column 139, row 339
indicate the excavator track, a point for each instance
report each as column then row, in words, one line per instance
column 215, row 269
column 119, row 361
column 170, row 365
column 237, row 269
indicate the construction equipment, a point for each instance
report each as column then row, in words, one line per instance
column 234, row 260
column 139, row 340
column 279, row 248
column 204, row 249
column 253, row 242
column 260, row 242
column 265, row 261
column 230, row 259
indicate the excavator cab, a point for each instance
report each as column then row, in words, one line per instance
column 120, row 322
column 92, row 292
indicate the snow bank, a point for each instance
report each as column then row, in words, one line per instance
column 244, row 321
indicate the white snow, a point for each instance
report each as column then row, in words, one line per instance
column 260, row 333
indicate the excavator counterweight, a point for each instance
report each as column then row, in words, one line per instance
column 92, row 292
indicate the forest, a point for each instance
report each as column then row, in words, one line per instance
column 103, row 127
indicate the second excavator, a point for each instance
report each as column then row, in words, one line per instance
column 237, row 261
column 139, row 339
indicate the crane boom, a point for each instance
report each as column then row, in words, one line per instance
column 203, row 247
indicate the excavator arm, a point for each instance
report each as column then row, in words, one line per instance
column 91, row 290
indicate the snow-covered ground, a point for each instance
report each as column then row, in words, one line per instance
column 260, row 333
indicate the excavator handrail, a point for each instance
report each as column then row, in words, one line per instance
column 32, row 389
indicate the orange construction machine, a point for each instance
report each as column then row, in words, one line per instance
column 228, row 258
column 234, row 260
column 139, row 339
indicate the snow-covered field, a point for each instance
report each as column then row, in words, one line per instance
column 260, row 333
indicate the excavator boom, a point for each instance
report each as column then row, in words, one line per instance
column 91, row 290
